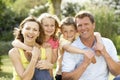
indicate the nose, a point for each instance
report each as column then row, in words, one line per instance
column 48, row 27
column 82, row 27
column 68, row 34
column 31, row 31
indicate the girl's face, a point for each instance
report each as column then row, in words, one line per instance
column 68, row 32
column 48, row 25
column 30, row 32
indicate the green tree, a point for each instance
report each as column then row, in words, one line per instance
column 71, row 9
column 6, row 20
column 26, row 5
column 55, row 7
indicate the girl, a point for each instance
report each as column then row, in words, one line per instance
column 50, row 24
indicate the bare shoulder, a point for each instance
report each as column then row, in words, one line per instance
column 13, row 52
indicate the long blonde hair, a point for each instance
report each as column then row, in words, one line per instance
column 47, row 15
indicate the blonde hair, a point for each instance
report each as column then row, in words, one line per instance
column 47, row 15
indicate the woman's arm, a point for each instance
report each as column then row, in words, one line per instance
column 24, row 74
column 17, row 43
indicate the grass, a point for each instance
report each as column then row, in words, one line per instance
column 6, row 69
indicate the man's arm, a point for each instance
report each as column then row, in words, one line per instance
column 76, row 74
column 113, row 66
column 108, row 51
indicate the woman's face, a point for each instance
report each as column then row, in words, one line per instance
column 30, row 31
column 48, row 25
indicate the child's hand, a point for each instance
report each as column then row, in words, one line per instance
column 90, row 55
column 44, row 64
column 35, row 52
column 97, row 34
column 89, row 60
column 29, row 49
column 98, row 47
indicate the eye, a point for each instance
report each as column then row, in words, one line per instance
column 46, row 25
column 52, row 25
column 27, row 28
column 71, row 30
column 79, row 25
column 35, row 29
column 86, row 23
column 64, row 31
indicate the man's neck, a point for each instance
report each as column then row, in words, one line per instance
column 89, row 42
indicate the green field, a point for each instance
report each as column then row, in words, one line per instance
column 6, row 69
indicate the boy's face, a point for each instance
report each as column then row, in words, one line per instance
column 68, row 32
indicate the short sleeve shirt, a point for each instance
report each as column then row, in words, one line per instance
column 53, row 43
column 97, row 71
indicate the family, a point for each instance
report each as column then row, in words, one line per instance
column 79, row 52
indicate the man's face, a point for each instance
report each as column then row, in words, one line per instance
column 85, row 27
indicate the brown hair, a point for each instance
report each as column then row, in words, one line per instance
column 83, row 14
column 68, row 21
column 17, row 31
column 47, row 15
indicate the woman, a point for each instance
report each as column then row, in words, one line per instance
column 24, row 62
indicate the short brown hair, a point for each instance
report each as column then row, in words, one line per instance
column 83, row 14
column 68, row 21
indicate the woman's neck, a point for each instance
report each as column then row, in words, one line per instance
column 30, row 44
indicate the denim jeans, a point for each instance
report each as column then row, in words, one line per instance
column 41, row 75
column 117, row 77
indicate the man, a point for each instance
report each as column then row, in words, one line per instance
column 79, row 67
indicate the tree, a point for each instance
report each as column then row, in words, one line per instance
column 26, row 5
column 71, row 9
column 55, row 7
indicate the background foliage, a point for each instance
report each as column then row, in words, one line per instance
column 12, row 12
column 107, row 15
